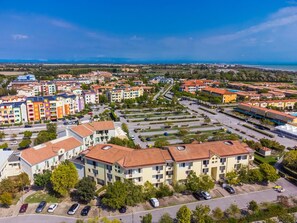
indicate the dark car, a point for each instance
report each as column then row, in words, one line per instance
column 85, row 210
column 40, row 207
column 80, row 116
column 123, row 209
column 230, row 189
column 28, row 126
column 6, row 149
column 198, row 195
column 23, row 208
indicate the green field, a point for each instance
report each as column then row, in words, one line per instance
column 42, row 196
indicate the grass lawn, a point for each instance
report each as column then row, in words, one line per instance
column 42, row 196
column 269, row 159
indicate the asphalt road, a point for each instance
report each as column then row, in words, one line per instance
column 241, row 200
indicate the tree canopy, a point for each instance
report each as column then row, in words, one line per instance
column 64, row 178
column 86, row 189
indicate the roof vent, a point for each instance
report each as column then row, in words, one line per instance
column 106, row 147
column 181, row 148
column 229, row 143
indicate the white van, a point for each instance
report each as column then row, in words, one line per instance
column 154, row 202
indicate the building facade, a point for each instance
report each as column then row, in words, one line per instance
column 108, row 163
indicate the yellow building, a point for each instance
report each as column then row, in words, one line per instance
column 118, row 95
column 108, row 163
column 225, row 95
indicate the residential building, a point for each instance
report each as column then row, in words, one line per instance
column 287, row 104
column 90, row 97
column 93, row 133
column 118, row 95
column 192, row 86
column 13, row 113
column 65, row 76
column 108, row 163
column 225, row 95
column 259, row 112
column 8, row 166
column 48, row 155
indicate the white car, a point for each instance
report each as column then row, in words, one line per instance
column 206, row 195
column 154, row 202
column 52, row 208
column 14, row 143
column 132, row 137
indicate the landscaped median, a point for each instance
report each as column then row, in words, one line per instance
column 258, row 130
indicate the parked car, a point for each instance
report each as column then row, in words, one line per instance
column 73, row 209
column 205, row 195
column 123, row 209
column 154, row 202
column 23, row 208
column 6, row 149
column 229, row 189
column 40, row 207
column 28, row 126
column 52, row 208
column 85, row 210
column 14, row 142
column 132, row 137
column 198, row 195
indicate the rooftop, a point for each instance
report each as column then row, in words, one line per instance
column 87, row 129
column 49, row 149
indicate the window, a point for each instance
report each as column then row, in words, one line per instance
column 223, row 160
column 222, row 168
column 244, row 157
column 182, row 164
column 205, row 162
column 205, row 170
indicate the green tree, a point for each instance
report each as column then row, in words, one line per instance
column 125, row 128
column 115, row 195
column 232, row 178
column 8, row 185
column 159, row 143
column 287, row 218
column 25, row 143
column 269, row 172
column 201, row 214
column 2, row 135
column 64, row 178
column 103, row 98
column 27, row 134
column 22, row 180
column 134, row 193
column 43, row 179
column 147, row 218
column 44, row 136
column 51, row 128
column 165, row 219
column 3, row 146
column 183, row 132
column 255, row 176
column 203, row 182
column 106, row 220
column 217, row 213
column 86, row 189
column 253, row 206
column 6, row 199
column 164, row 191
column 149, row 190
column 290, row 159
column 233, row 210
column 184, row 215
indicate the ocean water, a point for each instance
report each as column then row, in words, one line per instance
column 288, row 67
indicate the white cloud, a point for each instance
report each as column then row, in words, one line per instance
column 283, row 17
column 19, row 36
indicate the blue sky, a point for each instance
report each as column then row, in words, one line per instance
column 255, row 31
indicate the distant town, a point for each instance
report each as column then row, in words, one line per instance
column 147, row 143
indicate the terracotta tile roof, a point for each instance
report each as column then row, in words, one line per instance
column 126, row 157
column 87, row 129
column 204, row 150
column 265, row 149
column 217, row 91
column 48, row 150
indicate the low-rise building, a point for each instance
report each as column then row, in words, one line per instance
column 49, row 155
column 225, row 95
column 9, row 164
column 120, row 94
column 108, row 163
column 264, row 151
column 93, row 133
